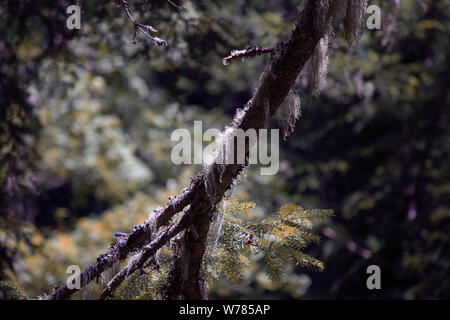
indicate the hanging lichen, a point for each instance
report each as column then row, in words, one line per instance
column 215, row 229
column 322, row 22
column 288, row 113
column 353, row 20
column 319, row 66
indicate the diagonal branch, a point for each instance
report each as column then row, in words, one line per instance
column 137, row 261
column 127, row 243
column 208, row 187
column 175, row 5
column 275, row 83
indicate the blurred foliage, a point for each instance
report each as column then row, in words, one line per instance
column 86, row 118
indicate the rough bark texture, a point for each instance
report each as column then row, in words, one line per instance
column 186, row 280
column 146, row 252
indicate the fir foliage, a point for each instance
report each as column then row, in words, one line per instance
column 278, row 240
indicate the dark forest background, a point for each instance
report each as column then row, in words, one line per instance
column 86, row 118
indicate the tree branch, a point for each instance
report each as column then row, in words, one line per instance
column 275, row 83
column 120, row 249
column 138, row 260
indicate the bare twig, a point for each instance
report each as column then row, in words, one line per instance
column 137, row 261
column 175, row 5
column 248, row 52
column 144, row 28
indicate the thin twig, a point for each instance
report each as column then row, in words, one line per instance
column 144, row 28
column 175, row 5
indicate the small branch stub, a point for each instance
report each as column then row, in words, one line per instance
column 248, row 52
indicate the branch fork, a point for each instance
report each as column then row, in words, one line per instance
column 144, row 28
